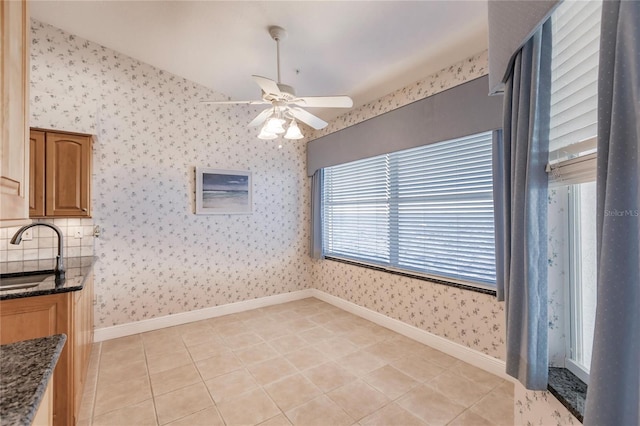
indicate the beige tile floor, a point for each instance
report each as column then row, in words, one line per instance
column 300, row 363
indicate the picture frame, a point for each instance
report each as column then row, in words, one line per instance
column 223, row 191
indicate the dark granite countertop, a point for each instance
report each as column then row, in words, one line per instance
column 25, row 370
column 77, row 270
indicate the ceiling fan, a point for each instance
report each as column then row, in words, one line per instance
column 285, row 105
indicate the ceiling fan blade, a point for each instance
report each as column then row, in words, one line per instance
column 308, row 118
column 267, row 85
column 260, row 118
column 324, row 101
column 235, row 102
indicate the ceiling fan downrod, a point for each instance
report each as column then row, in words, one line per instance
column 284, row 104
column 278, row 33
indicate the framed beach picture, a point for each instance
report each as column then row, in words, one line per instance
column 223, row 191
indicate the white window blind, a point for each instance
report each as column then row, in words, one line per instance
column 574, row 95
column 574, row 76
column 427, row 210
column 356, row 210
column 574, row 72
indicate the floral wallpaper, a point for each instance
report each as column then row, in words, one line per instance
column 472, row 319
column 156, row 257
column 469, row 318
column 540, row 408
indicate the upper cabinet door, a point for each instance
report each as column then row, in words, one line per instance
column 68, row 175
column 14, row 112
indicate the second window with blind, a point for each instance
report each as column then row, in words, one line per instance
column 426, row 211
column 572, row 174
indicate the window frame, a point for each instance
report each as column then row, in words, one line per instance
column 574, row 289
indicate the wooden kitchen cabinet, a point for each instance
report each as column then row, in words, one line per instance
column 44, row 415
column 70, row 313
column 60, row 171
column 14, row 112
column 82, row 340
column 33, row 317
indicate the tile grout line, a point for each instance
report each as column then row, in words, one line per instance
column 193, row 361
column 146, row 366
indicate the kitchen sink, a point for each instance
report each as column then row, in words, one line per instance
column 17, row 281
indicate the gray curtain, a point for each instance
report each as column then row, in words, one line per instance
column 315, row 243
column 520, row 187
column 502, row 215
column 613, row 396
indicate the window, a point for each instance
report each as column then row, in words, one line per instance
column 572, row 167
column 426, row 210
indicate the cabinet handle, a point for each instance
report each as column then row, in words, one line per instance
column 84, row 210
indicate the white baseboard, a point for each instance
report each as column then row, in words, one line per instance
column 107, row 333
column 462, row 352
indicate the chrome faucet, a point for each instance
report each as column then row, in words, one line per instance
column 17, row 239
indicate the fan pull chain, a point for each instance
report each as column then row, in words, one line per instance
column 278, row 57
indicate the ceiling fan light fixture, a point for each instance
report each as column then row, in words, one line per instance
column 293, row 132
column 275, row 125
column 266, row 135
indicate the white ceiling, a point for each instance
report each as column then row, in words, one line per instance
column 364, row 49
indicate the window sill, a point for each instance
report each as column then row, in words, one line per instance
column 569, row 390
column 414, row 276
